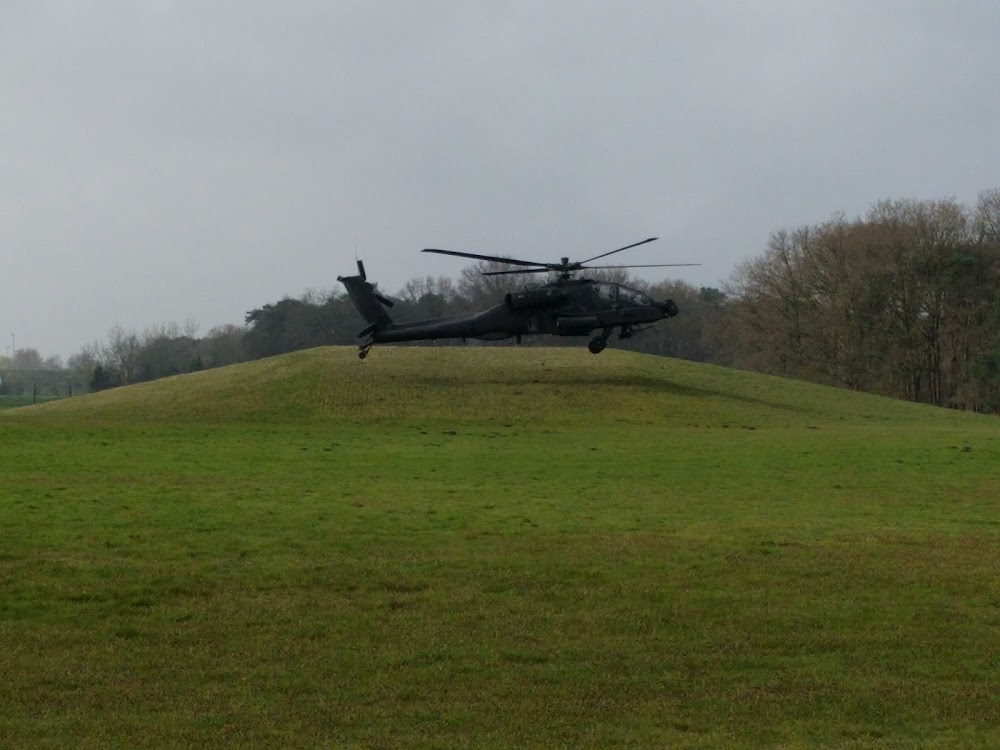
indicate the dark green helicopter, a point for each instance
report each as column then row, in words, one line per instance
column 563, row 307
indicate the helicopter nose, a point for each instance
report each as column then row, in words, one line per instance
column 668, row 307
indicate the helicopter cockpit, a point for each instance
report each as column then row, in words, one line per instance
column 610, row 293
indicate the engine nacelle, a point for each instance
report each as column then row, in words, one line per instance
column 529, row 298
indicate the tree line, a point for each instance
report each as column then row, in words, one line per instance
column 122, row 358
column 903, row 301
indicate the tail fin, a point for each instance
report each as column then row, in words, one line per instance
column 367, row 300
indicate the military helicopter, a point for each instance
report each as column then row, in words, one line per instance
column 566, row 306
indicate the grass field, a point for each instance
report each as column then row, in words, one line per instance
column 480, row 547
column 12, row 402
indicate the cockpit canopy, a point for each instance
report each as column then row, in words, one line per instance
column 611, row 293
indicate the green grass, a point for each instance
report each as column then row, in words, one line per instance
column 464, row 547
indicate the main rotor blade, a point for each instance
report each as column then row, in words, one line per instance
column 523, row 270
column 474, row 256
column 654, row 265
column 603, row 255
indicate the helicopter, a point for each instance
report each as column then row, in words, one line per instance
column 566, row 306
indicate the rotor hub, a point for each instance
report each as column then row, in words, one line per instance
column 564, row 268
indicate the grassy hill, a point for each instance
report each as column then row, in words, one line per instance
column 497, row 547
column 560, row 385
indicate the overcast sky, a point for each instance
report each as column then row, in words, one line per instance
column 164, row 161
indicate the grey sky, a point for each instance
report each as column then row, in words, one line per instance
column 164, row 161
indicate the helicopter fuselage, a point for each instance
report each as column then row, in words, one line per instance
column 567, row 307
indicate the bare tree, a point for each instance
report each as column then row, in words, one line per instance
column 82, row 364
column 28, row 359
column 480, row 291
column 122, row 353
column 987, row 217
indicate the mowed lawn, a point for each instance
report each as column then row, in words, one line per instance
column 482, row 547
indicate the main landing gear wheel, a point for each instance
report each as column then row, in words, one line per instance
column 597, row 344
